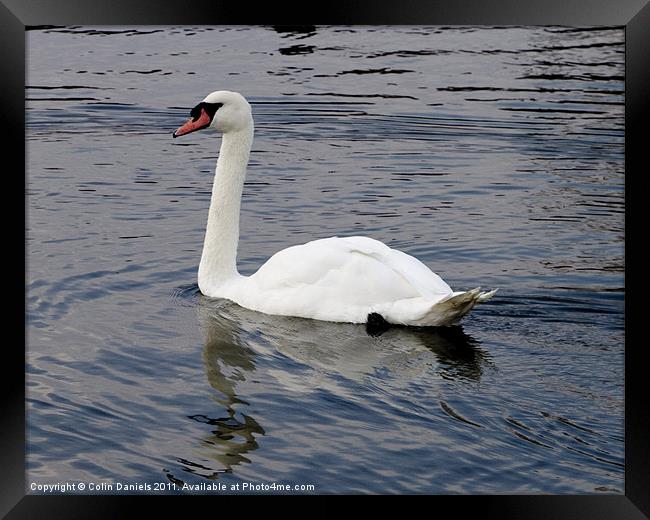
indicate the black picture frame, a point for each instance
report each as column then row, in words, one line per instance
column 16, row 16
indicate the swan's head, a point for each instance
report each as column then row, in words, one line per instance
column 222, row 110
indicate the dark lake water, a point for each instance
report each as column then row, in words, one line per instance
column 494, row 155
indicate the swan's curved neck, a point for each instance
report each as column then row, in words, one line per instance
column 219, row 259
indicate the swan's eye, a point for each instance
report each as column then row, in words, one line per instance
column 210, row 108
column 195, row 113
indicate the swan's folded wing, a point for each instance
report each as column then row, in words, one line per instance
column 356, row 264
column 419, row 276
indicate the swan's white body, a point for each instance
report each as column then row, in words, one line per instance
column 333, row 279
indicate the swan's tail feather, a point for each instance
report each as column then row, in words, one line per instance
column 452, row 308
column 484, row 296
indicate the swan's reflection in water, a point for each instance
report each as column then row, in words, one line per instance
column 296, row 356
column 228, row 361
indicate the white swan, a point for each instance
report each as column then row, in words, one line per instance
column 352, row 279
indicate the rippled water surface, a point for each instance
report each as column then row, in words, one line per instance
column 495, row 155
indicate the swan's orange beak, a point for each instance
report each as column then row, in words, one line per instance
column 193, row 125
